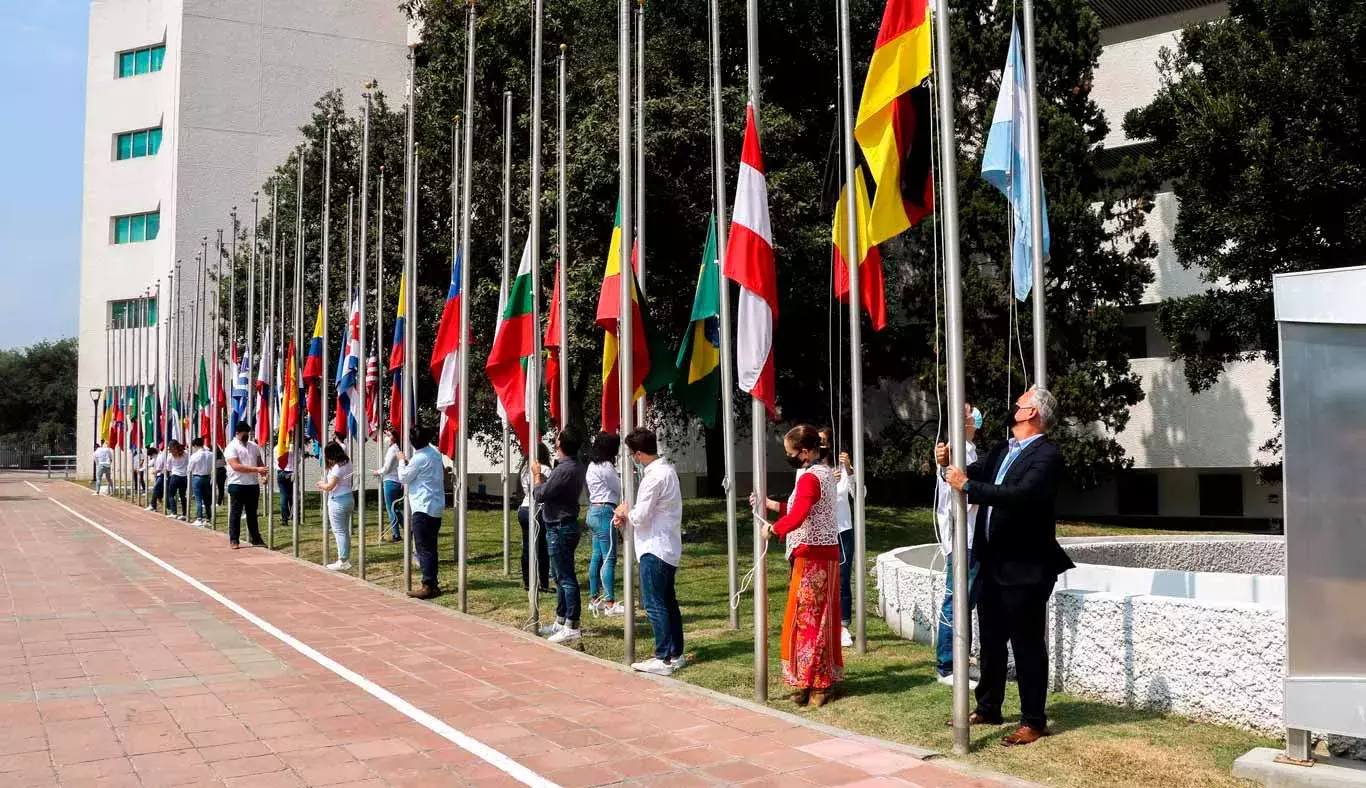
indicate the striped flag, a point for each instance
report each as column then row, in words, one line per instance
column 445, row 365
column 396, row 356
column 289, row 407
column 348, row 374
column 372, row 395
column 750, row 264
column 513, row 344
column 551, row 344
column 313, row 376
column 869, row 259
column 263, row 381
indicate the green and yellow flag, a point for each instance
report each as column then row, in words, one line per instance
column 698, row 385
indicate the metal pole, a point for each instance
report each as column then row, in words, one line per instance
column 534, row 368
column 291, row 460
column 325, row 384
column 1035, row 202
column 727, row 339
column 463, row 406
column 363, row 424
column 381, row 363
column 456, row 553
column 502, row 299
column 163, row 385
column 640, row 164
column 562, row 241
column 758, row 426
column 626, row 392
column 409, row 327
column 953, row 319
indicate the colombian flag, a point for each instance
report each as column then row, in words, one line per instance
column 698, row 385
column 313, row 376
column 396, row 357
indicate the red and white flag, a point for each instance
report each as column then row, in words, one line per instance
column 372, row 395
column 750, row 264
column 263, row 379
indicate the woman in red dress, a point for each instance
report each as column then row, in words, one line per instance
column 812, row 662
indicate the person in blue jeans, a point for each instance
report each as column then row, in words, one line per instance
column 284, row 480
column 657, row 527
column 557, row 495
column 943, row 505
column 392, row 489
column 604, row 492
column 201, row 481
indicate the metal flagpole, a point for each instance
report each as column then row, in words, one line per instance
column 562, row 241
column 502, row 299
column 758, row 427
column 463, row 396
column 251, row 312
column 409, row 328
column 534, row 241
column 270, row 459
column 292, row 460
column 953, row 320
column 164, row 387
column 363, row 424
column 855, row 328
column 215, row 420
column 1035, row 201
column 625, row 374
column 324, row 384
column 640, row 166
column 727, row 340
column 456, row 554
column 382, row 361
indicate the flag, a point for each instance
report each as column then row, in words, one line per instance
column 396, row 356
column 116, row 418
column 651, row 361
column 698, row 384
column 220, row 408
column 313, row 376
column 203, row 399
column 869, row 261
column 750, row 264
column 348, row 374
column 150, row 422
column 553, row 329
column 241, row 387
column 289, row 407
column 893, row 126
column 1005, row 165
column 372, row 394
column 513, row 344
column 263, row 416
column 173, row 423
column 106, row 415
column 445, row 365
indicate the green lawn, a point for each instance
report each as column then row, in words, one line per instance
column 890, row 691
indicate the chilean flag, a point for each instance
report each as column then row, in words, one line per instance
column 750, row 264
column 396, row 357
column 348, row 374
column 446, row 365
column 263, row 380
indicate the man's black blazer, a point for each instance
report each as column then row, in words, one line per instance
column 1023, row 548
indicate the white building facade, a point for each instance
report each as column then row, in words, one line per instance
column 190, row 105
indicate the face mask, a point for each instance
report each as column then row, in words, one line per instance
column 1014, row 412
column 977, row 419
column 795, row 461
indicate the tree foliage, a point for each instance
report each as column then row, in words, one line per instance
column 38, row 404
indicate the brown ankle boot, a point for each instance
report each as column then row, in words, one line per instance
column 801, row 696
column 819, row 698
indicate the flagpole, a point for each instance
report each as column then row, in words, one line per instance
column 727, row 339
column 463, row 396
column 534, row 368
column 457, row 551
column 363, row 424
column 381, row 360
column 640, row 167
column 562, row 237
column 163, row 394
column 1035, row 202
column 324, row 383
column 270, row 460
column 295, row 450
column 214, row 385
column 409, row 326
column 502, row 292
column 625, row 373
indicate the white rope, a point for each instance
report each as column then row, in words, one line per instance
column 747, row 581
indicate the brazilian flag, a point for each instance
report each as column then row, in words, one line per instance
column 698, row 385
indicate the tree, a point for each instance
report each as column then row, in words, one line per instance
column 1258, row 127
column 1090, row 278
column 38, row 398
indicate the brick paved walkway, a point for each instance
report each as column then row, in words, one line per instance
column 114, row 672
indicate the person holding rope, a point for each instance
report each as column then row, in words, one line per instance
column 844, row 516
column 943, row 514
column 424, row 475
column 813, row 664
column 336, row 485
column 604, row 493
column 557, row 493
column 524, row 518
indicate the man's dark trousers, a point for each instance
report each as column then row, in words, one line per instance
column 425, row 530
column 245, row 498
column 563, row 539
column 1018, row 614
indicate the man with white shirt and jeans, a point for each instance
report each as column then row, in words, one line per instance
column 425, row 476
column 104, row 465
column 656, row 522
column 943, row 514
column 391, row 488
column 201, row 482
column 246, row 469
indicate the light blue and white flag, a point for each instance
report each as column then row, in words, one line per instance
column 348, row 372
column 241, row 390
column 1005, row 164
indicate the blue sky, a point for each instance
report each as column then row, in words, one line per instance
column 42, row 119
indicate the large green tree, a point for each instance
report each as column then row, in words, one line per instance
column 1258, row 129
column 1091, row 278
column 38, row 398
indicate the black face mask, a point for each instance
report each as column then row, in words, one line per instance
column 1014, row 412
column 795, row 461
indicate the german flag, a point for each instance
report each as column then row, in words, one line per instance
column 893, row 126
column 868, row 260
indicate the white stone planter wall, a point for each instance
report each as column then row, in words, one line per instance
column 1209, row 645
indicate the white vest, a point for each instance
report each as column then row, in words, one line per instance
column 821, row 526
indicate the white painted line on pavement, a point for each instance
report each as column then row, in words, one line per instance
column 31, row 484
column 480, row 750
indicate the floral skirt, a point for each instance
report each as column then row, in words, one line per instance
column 811, row 625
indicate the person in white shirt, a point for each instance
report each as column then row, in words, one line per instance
column 336, row 485
column 943, row 515
column 139, row 471
column 656, row 522
column 201, row 482
column 157, row 460
column 604, row 493
column 104, row 466
column 246, row 469
column 392, row 489
column 844, row 521
column 425, row 476
column 178, row 479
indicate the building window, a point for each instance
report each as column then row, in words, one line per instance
column 1137, row 494
column 141, row 61
column 1136, row 341
column 137, row 227
column 136, row 144
column 1221, row 495
column 132, row 313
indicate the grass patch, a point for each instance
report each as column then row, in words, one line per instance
column 890, row 691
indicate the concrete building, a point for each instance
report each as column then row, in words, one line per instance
column 190, row 104
column 1194, row 454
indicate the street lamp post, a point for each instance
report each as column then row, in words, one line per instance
column 94, row 433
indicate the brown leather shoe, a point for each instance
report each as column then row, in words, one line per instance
column 975, row 719
column 423, row 592
column 1023, row 735
column 801, row 697
column 819, row 698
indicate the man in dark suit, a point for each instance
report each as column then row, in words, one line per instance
column 1016, row 545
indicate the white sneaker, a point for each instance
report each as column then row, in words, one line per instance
column 615, row 609
column 339, row 566
column 565, row 635
column 171, row 517
column 948, row 681
column 846, row 639
column 151, row 509
column 595, row 606
column 654, row 665
column 678, row 663
column 550, row 629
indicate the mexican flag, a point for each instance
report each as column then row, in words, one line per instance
column 513, row 344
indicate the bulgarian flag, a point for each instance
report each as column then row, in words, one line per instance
column 445, row 364
column 750, row 264
column 868, row 260
column 396, row 356
column 289, row 408
column 698, row 385
column 513, row 343
column 313, row 377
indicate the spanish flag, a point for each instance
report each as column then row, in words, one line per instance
column 868, row 260
column 289, row 408
column 893, row 126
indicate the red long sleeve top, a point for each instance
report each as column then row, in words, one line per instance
column 807, row 495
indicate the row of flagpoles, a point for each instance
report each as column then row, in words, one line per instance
column 720, row 352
